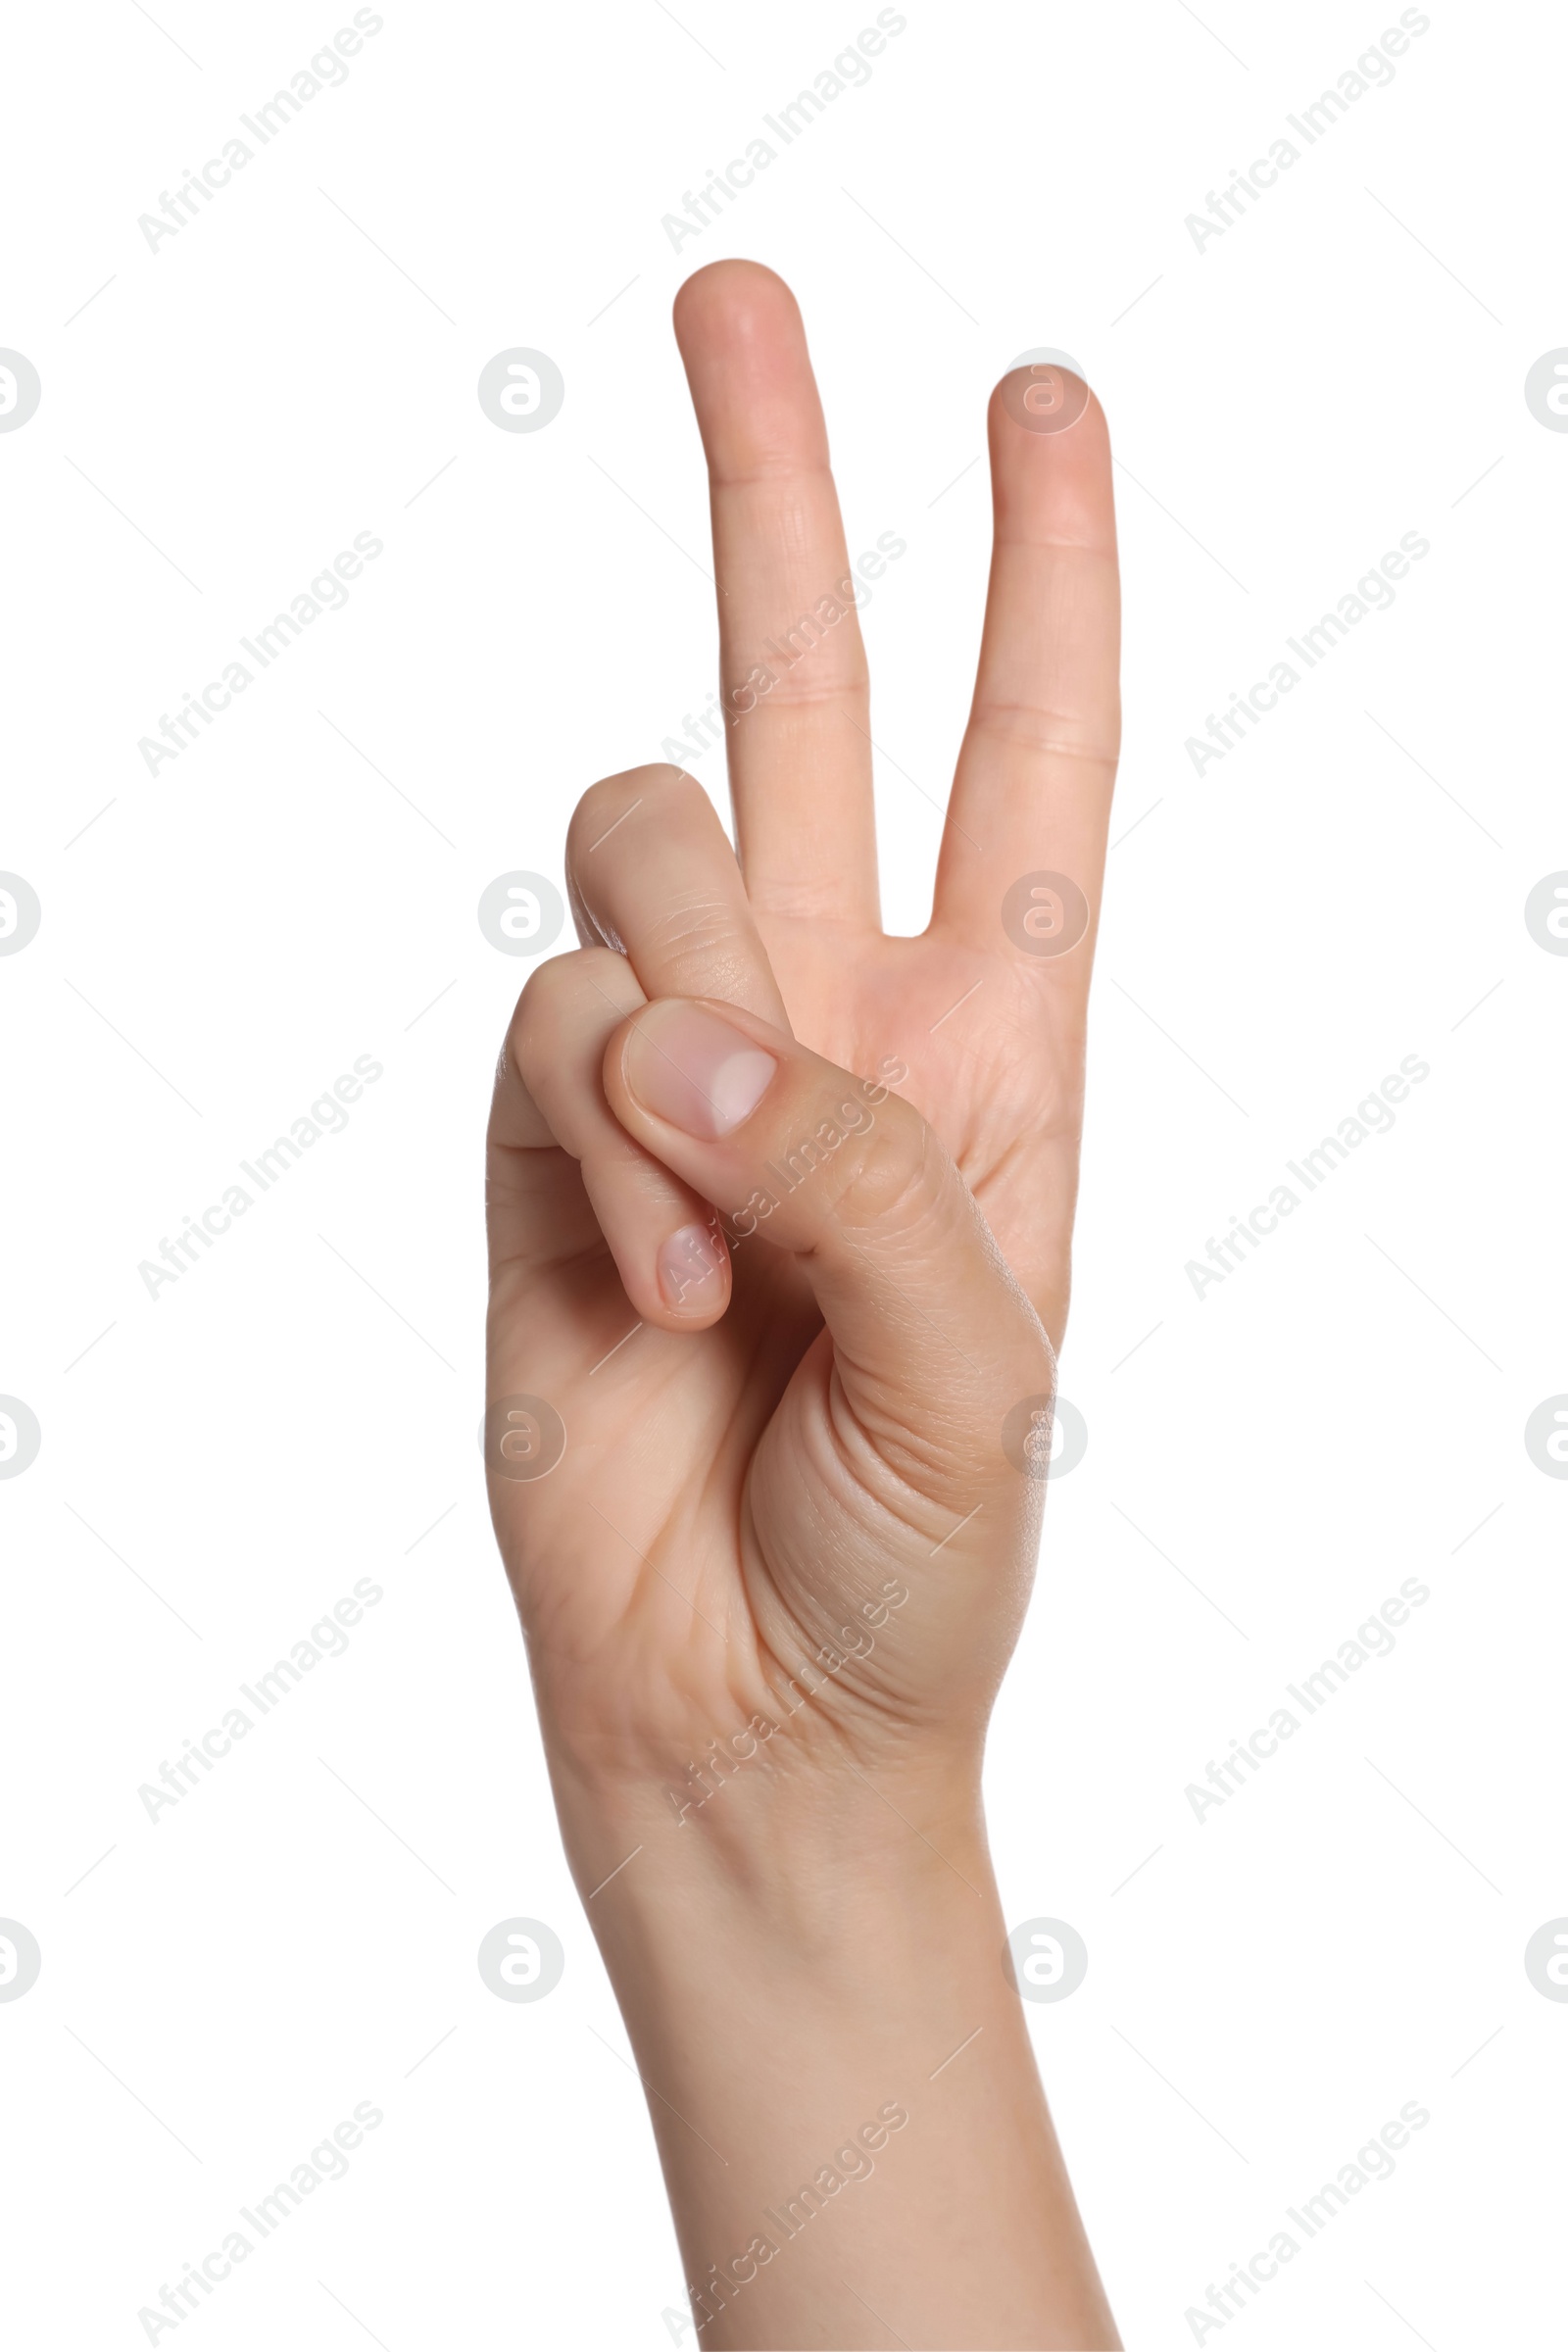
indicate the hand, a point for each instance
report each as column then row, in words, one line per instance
column 779, row 1220
column 744, row 1490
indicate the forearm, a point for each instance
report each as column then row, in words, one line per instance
column 855, row 2142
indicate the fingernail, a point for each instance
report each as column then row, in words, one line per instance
column 686, row 1065
column 687, row 1263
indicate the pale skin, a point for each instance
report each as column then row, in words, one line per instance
column 772, row 1585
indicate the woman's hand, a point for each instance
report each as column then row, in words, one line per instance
column 743, row 1489
column 780, row 1211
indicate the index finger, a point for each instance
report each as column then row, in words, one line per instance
column 795, row 689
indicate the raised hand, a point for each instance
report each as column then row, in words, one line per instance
column 780, row 1211
column 738, row 1481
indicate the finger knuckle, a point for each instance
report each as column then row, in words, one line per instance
column 897, row 1177
column 703, row 946
column 549, row 1002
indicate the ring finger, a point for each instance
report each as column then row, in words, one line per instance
column 650, row 872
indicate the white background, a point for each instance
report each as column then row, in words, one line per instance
column 1343, row 365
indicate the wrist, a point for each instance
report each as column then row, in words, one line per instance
column 856, row 1933
column 812, row 1970
column 798, row 1856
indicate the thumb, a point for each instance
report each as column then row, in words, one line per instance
column 935, row 1343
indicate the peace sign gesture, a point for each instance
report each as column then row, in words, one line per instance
column 772, row 1412
column 779, row 1215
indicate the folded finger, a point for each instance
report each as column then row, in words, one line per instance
column 663, row 1235
column 933, row 1339
column 650, row 871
